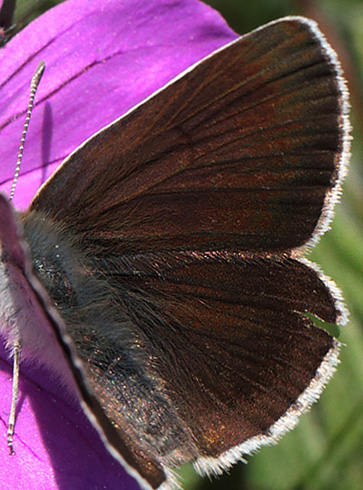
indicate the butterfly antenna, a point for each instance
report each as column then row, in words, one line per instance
column 33, row 89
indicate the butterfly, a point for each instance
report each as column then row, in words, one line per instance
column 164, row 257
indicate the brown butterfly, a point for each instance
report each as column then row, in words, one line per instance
column 164, row 257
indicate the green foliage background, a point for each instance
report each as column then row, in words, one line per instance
column 326, row 449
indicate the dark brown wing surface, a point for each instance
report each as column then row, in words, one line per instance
column 239, row 153
column 230, row 341
column 188, row 209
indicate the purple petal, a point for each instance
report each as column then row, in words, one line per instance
column 102, row 58
column 56, row 446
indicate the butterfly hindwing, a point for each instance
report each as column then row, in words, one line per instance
column 232, row 361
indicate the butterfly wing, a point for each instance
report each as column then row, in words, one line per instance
column 242, row 152
column 237, row 356
column 191, row 209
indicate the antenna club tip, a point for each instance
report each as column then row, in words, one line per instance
column 39, row 71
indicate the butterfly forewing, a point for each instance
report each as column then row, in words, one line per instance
column 239, row 153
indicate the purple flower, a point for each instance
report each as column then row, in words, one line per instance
column 102, row 58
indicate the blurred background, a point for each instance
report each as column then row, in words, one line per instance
column 326, row 449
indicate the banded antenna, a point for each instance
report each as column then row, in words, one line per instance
column 33, row 89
